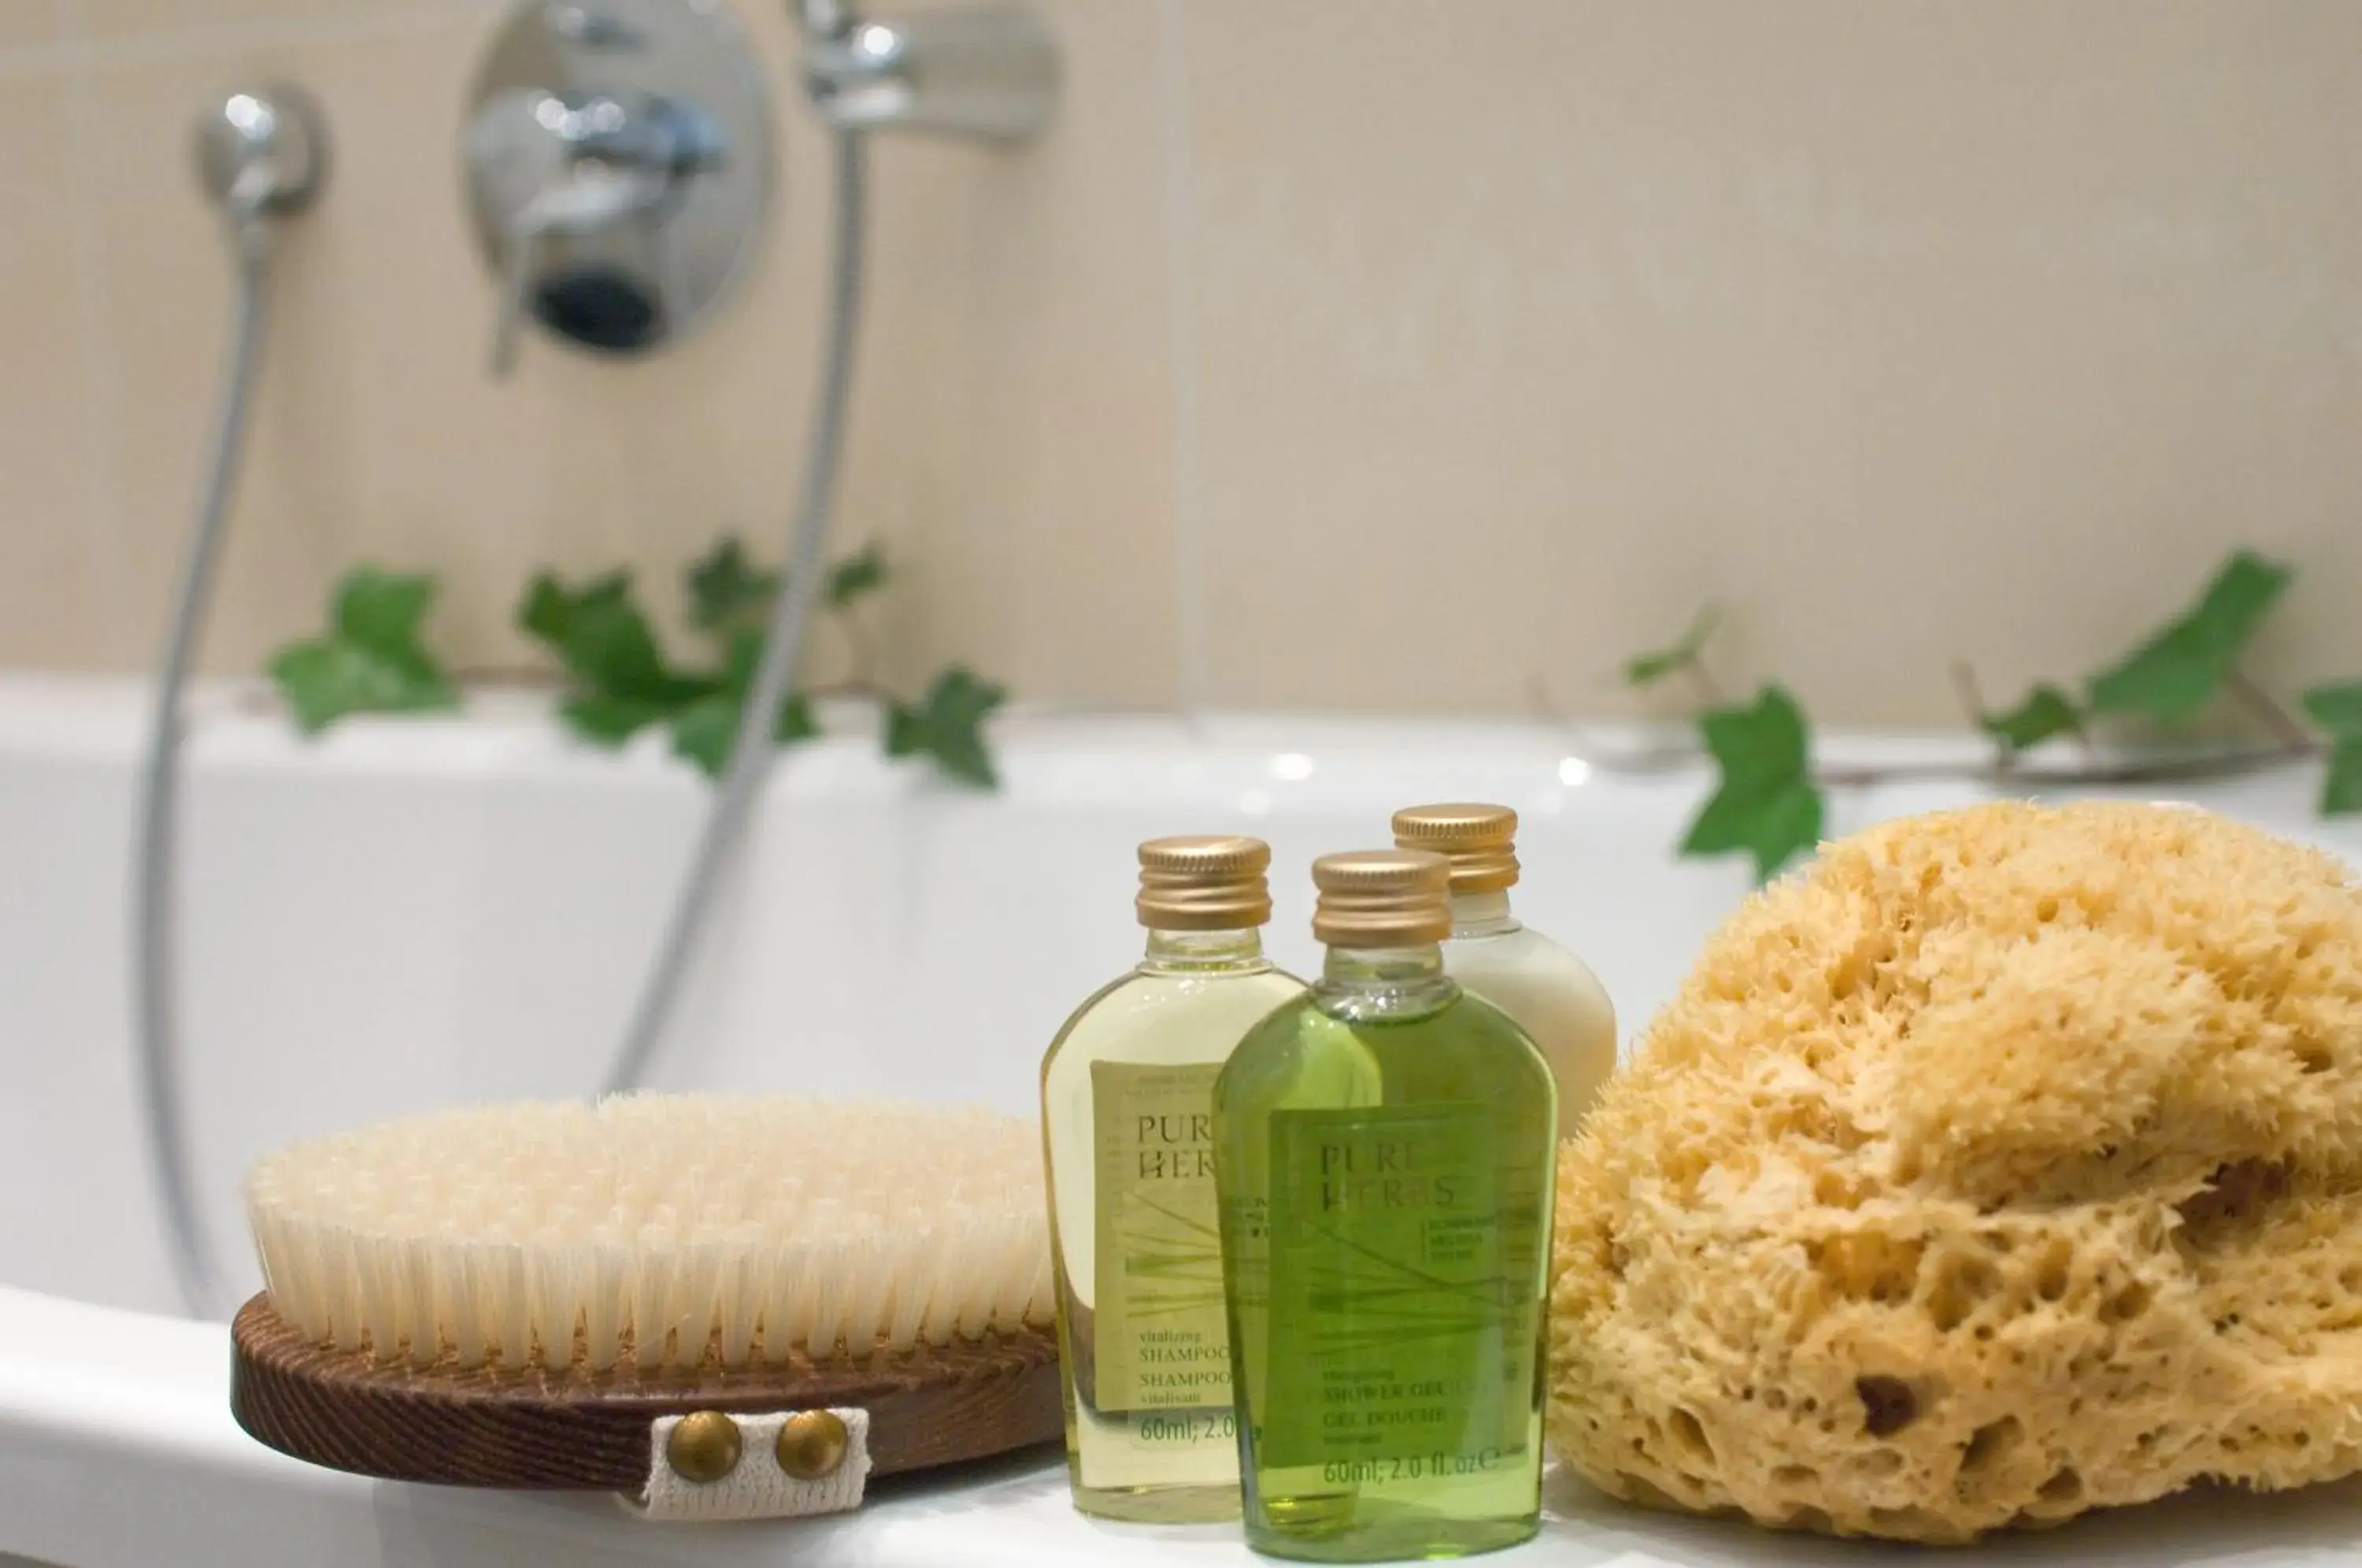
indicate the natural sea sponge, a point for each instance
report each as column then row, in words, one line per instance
column 2003, row 1164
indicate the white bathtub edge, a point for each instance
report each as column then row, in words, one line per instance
column 117, row 1447
column 117, row 1450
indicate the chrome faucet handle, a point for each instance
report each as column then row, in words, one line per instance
column 587, row 204
column 618, row 156
column 580, row 165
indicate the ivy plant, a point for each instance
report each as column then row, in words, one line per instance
column 370, row 659
column 1768, row 798
column 2337, row 709
column 1765, row 802
column 615, row 676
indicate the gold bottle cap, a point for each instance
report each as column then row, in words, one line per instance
column 1480, row 841
column 1381, row 898
column 1213, row 883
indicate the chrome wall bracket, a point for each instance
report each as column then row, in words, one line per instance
column 989, row 72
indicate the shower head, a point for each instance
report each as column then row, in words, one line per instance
column 262, row 150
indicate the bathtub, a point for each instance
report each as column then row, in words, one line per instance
column 413, row 912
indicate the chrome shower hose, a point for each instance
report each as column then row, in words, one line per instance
column 775, row 674
column 155, row 1017
column 155, row 1010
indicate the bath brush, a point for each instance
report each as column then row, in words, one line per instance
column 630, row 1294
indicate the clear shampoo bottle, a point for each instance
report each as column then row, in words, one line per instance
column 1127, row 1129
column 1384, row 1149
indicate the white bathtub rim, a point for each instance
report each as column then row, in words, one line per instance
column 236, row 723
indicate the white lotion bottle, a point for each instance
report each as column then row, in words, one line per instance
column 1547, row 990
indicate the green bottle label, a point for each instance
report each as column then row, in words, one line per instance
column 1401, row 1331
column 1160, row 1343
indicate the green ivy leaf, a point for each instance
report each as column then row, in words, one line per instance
column 370, row 659
column 2337, row 709
column 2045, row 711
column 324, row 679
column 703, row 730
column 796, row 722
column 603, row 638
column 621, row 683
column 547, row 610
column 1765, row 804
column 726, row 590
column 728, row 593
column 604, row 641
column 857, row 575
column 383, row 610
column 2177, row 671
column 738, row 664
column 608, row 720
column 2341, row 783
column 1648, row 668
column 946, row 725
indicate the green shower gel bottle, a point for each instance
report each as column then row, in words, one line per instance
column 1383, row 1155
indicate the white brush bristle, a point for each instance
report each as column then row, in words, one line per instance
column 659, row 1230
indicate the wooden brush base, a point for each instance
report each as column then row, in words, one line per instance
column 588, row 1431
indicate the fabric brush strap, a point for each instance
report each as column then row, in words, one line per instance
column 755, row 1488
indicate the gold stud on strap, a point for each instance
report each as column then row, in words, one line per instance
column 704, row 1447
column 812, row 1444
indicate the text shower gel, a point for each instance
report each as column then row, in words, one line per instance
column 1384, row 1147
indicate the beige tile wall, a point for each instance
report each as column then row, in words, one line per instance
column 1355, row 353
